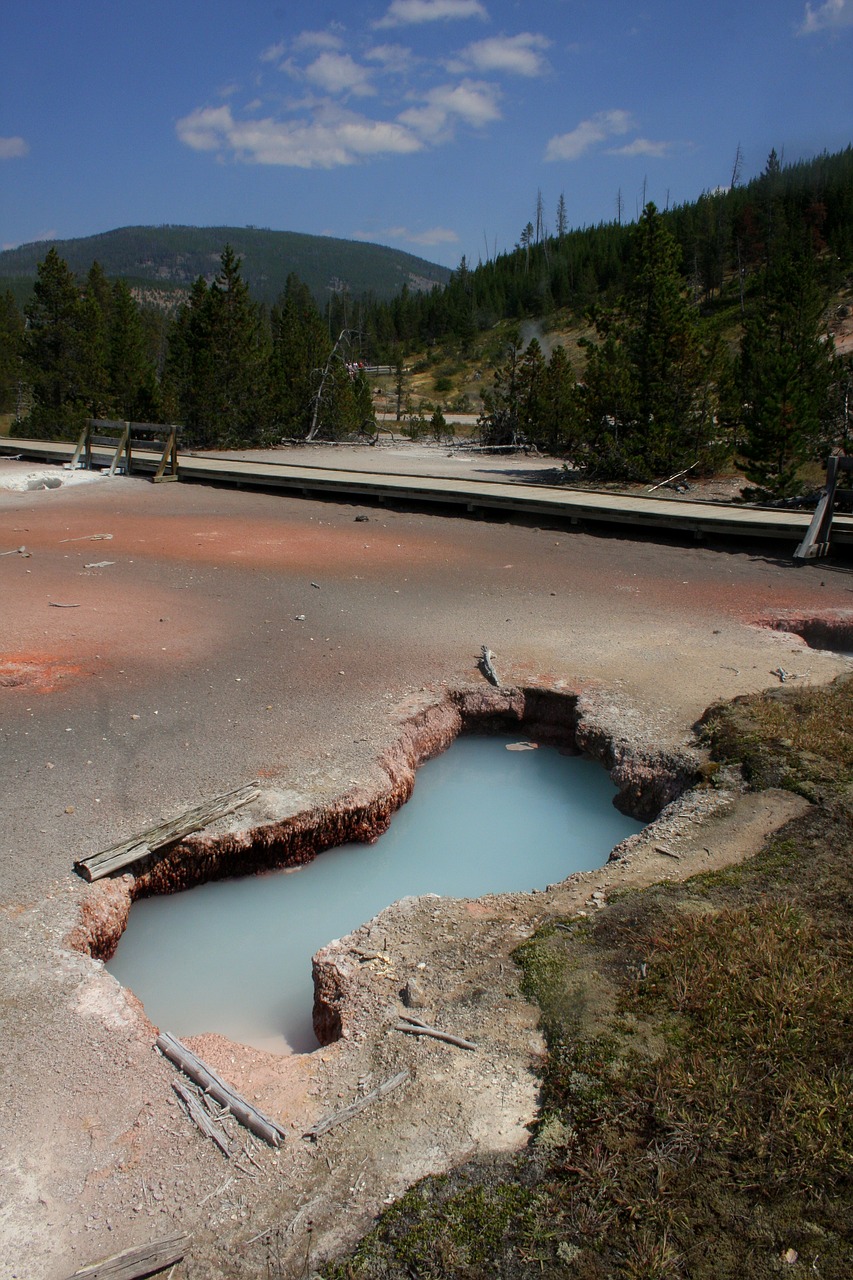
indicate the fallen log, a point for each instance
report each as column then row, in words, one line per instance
column 134, row 1263
column 207, row 1079
column 200, row 1118
column 487, row 666
column 414, row 1027
column 347, row 1113
column 165, row 833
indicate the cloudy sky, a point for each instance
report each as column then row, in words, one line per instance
column 429, row 125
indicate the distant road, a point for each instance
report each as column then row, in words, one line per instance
column 515, row 490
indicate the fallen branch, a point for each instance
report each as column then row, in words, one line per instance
column 218, row 1192
column 204, row 1076
column 134, row 1263
column 165, row 833
column 414, row 1027
column 670, row 479
column 347, row 1113
column 200, row 1118
column 487, row 667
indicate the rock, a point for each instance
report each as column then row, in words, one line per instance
column 414, row 995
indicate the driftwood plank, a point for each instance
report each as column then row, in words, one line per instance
column 347, row 1113
column 134, row 1263
column 165, row 833
column 200, row 1118
column 415, row 1027
column 204, row 1076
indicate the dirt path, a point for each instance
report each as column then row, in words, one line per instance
column 170, row 642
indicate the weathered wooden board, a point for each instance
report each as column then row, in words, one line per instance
column 134, row 1263
column 165, row 833
column 191, row 1065
column 200, row 1118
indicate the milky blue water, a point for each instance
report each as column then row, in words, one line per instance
column 235, row 956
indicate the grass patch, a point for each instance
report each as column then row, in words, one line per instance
column 799, row 739
column 697, row 1096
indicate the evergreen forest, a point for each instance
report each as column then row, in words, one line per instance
column 700, row 338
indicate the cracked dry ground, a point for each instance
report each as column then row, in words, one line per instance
column 201, row 656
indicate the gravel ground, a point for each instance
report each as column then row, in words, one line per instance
column 164, row 643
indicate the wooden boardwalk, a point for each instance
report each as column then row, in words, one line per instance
column 569, row 506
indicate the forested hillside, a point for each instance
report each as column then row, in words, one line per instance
column 171, row 258
column 700, row 340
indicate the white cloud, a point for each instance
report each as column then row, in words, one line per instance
column 273, row 52
column 521, row 54
column 13, row 148
column 53, row 234
column 472, row 101
column 403, row 12
column 600, row 127
column 331, row 139
column 642, row 147
column 833, row 13
column 318, row 40
column 339, row 73
column 204, row 129
column 392, row 57
column 429, row 238
column 434, row 236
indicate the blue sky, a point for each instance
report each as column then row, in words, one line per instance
column 429, row 125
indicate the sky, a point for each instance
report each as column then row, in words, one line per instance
column 427, row 125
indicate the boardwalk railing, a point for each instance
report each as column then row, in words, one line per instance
column 122, row 438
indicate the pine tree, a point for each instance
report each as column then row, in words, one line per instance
column 662, row 342
column 558, row 412
column 58, row 362
column 645, row 408
column 787, row 372
column 11, row 336
column 531, row 390
column 239, row 354
column 562, row 219
column 96, row 319
column 300, row 348
column 499, row 419
column 219, row 362
column 132, row 376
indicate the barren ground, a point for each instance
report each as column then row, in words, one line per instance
column 153, row 650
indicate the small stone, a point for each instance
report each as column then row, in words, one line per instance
column 414, row 996
column 69, row 808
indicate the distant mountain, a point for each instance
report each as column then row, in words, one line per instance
column 170, row 258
